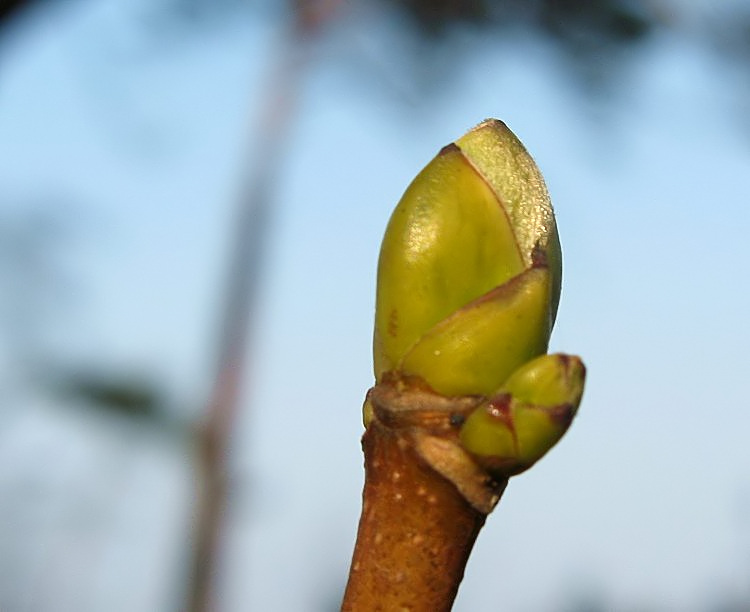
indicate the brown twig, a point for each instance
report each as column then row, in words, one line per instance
column 251, row 231
column 424, row 502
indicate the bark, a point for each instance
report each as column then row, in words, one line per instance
column 424, row 502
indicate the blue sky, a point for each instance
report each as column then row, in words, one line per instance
column 138, row 140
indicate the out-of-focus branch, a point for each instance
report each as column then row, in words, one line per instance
column 251, row 231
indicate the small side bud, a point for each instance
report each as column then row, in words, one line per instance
column 368, row 412
column 522, row 422
column 549, row 380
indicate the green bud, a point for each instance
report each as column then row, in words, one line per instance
column 519, row 424
column 549, row 380
column 368, row 412
column 475, row 349
column 469, row 269
column 447, row 243
column 517, row 182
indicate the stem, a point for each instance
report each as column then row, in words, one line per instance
column 420, row 514
column 250, row 228
column 246, row 262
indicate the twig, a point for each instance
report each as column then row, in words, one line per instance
column 242, row 288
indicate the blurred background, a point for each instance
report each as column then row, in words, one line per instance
column 170, row 166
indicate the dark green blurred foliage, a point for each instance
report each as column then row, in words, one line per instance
column 594, row 37
column 130, row 397
column 572, row 23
